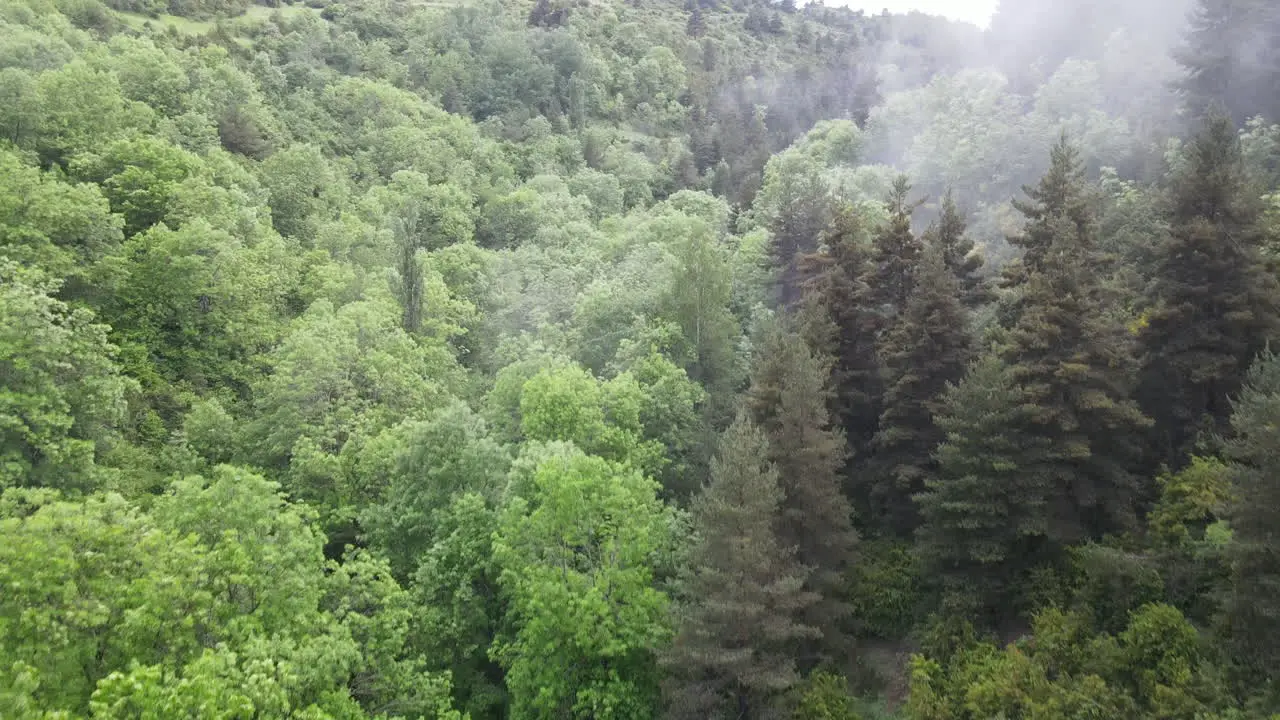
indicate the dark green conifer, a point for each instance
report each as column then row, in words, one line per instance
column 948, row 234
column 1059, row 195
column 1214, row 304
column 837, row 322
column 788, row 399
column 895, row 254
column 735, row 652
column 984, row 511
column 925, row 349
column 1253, row 605
column 1074, row 364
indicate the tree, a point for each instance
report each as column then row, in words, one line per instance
column 697, row 25
column 1058, row 204
column 839, row 323
column 734, row 653
column 63, row 400
column 948, row 234
column 895, row 255
column 788, row 400
column 577, row 568
column 984, row 511
column 1253, row 605
column 926, row 348
column 794, row 202
column 1229, row 57
column 1214, row 304
column 1075, row 364
column 436, row 460
column 698, row 300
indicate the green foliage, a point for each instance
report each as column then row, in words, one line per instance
column 63, row 395
column 1252, row 608
column 576, row 558
column 1155, row 668
column 826, row 697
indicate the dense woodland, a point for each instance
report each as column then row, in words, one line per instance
column 622, row 359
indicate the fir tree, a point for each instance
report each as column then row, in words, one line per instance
column 1230, row 58
column 948, row 234
column 788, row 399
column 1060, row 195
column 734, row 654
column 1214, row 305
column 1074, row 364
column 925, row 349
column 839, row 324
column 1253, row 606
column 984, row 511
column 697, row 25
column 895, row 255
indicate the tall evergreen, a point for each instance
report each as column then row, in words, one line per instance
column 896, row 252
column 788, row 399
column 1214, row 304
column 1059, row 196
column 1231, row 59
column 949, row 235
column 984, row 510
column 926, row 348
column 1074, row 362
column 838, row 323
column 734, row 654
column 1253, row 606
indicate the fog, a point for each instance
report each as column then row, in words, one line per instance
column 978, row 12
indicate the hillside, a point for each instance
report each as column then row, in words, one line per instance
column 635, row 358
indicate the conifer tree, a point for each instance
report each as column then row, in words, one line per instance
column 1074, row 362
column 735, row 651
column 895, row 255
column 1060, row 195
column 1230, row 56
column 984, row 511
column 837, row 322
column 926, row 348
column 788, row 400
column 948, row 234
column 1214, row 304
column 1253, row 606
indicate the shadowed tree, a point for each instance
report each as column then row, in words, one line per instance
column 1214, row 303
column 1074, row 364
column 925, row 349
column 734, row 654
column 788, row 399
column 984, row 510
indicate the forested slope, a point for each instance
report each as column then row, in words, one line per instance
column 635, row 359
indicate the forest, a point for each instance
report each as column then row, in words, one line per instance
column 639, row 359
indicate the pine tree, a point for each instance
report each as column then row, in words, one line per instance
column 1074, row 362
column 734, row 655
column 1214, row 304
column 925, row 349
column 896, row 253
column 984, row 511
column 948, row 233
column 840, row 325
column 1253, row 606
column 788, row 399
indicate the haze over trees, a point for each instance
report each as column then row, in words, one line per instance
column 638, row 359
